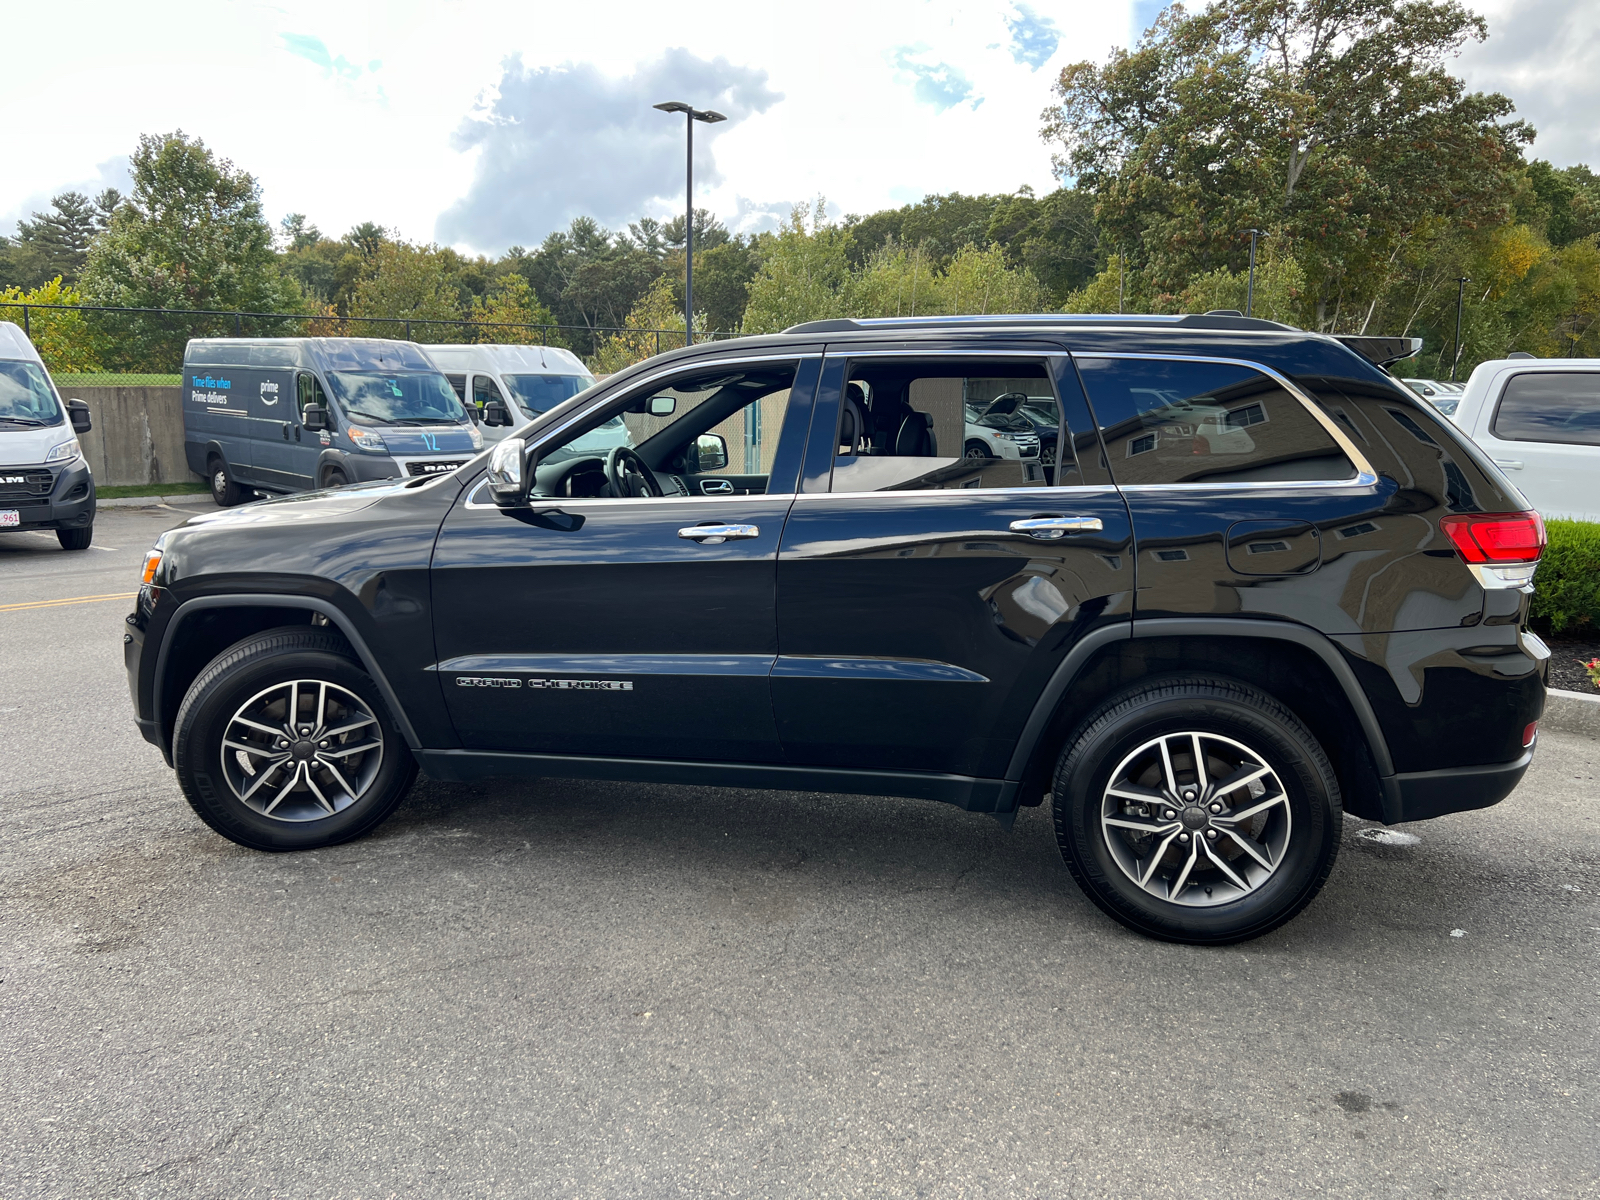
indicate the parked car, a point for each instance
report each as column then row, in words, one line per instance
column 281, row 415
column 994, row 429
column 1444, row 396
column 1035, row 418
column 45, row 482
column 527, row 380
column 1237, row 614
column 1539, row 420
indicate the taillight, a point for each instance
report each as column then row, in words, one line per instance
column 1529, row 734
column 1502, row 548
column 1496, row 537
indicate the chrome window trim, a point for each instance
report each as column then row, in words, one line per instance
column 1087, row 489
column 564, row 502
column 648, row 380
column 1365, row 476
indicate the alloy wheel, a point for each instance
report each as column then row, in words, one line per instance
column 302, row 750
column 1196, row 819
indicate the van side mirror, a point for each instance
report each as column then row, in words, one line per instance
column 78, row 414
column 474, row 413
column 710, row 453
column 510, row 473
column 314, row 417
column 495, row 413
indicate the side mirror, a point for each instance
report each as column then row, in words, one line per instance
column 78, row 414
column 509, row 473
column 656, row 406
column 474, row 413
column 314, row 417
column 710, row 452
column 495, row 413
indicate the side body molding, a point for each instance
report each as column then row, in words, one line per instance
column 271, row 600
column 1156, row 627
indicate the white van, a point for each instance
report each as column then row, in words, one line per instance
column 1539, row 419
column 527, row 380
column 44, row 479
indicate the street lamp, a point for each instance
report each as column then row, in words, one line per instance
column 710, row 118
column 1250, row 288
column 1461, row 292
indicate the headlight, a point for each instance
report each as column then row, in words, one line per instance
column 477, row 438
column 64, row 453
column 366, row 439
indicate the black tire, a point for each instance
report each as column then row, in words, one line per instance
column 976, row 449
column 333, row 477
column 225, row 490
column 1309, row 812
column 76, row 539
column 246, row 670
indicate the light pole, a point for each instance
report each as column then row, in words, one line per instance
column 1122, row 277
column 710, row 118
column 1250, row 288
column 1461, row 292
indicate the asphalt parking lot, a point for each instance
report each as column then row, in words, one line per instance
column 618, row 990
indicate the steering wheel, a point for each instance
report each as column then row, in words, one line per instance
column 627, row 476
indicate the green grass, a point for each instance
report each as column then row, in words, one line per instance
column 151, row 489
column 64, row 381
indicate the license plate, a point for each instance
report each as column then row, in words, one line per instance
column 10, row 518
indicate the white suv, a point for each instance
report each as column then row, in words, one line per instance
column 1539, row 419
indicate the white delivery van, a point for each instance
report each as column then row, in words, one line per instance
column 44, row 479
column 1539, row 419
column 526, row 380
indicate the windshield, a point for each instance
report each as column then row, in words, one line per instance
column 536, row 394
column 394, row 398
column 25, row 395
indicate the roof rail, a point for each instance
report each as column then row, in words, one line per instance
column 1211, row 320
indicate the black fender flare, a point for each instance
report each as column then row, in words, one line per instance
column 1086, row 647
column 331, row 458
column 327, row 609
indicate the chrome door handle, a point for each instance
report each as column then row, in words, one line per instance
column 715, row 535
column 1048, row 529
column 1509, row 464
column 715, row 487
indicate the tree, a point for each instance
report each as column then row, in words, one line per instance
column 64, row 339
column 1333, row 123
column 54, row 244
column 654, row 325
column 941, row 225
column 191, row 236
column 411, row 282
column 803, row 270
column 1054, row 237
column 510, row 302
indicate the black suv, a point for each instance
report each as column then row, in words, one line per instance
column 1266, row 585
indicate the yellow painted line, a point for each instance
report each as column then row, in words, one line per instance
column 68, row 600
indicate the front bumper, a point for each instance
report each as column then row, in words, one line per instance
column 66, row 503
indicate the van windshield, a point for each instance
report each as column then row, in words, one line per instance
column 535, row 394
column 25, row 395
column 398, row 398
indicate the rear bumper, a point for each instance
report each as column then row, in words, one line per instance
column 1421, row 795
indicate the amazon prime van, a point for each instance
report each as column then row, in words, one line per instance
column 45, row 482
column 294, row 414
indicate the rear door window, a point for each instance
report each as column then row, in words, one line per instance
column 1550, row 406
column 1168, row 421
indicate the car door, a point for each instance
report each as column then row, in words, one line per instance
column 926, row 595
column 1543, row 430
column 611, row 627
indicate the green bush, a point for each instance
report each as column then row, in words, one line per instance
column 1566, row 588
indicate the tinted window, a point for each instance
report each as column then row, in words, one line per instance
column 1169, row 421
column 1551, row 406
column 371, row 354
column 912, row 426
column 398, row 399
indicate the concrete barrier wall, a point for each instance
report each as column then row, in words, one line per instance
column 137, row 435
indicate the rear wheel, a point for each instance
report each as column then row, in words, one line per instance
column 75, row 539
column 284, row 743
column 1197, row 810
column 224, row 489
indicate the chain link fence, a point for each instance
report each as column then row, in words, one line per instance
column 92, row 345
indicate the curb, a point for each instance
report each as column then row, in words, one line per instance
column 1571, row 712
column 152, row 501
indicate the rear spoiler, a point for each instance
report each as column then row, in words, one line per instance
column 1382, row 350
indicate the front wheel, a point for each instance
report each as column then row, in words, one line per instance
column 333, row 477
column 1197, row 810
column 284, row 743
column 976, row 449
column 75, row 539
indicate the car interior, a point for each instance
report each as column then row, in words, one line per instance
column 674, row 440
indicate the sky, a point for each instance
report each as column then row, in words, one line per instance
column 484, row 124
